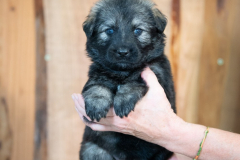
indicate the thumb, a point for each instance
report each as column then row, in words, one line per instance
column 150, row 78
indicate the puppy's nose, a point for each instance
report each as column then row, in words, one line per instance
column 122, row 52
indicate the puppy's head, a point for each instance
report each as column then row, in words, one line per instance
column 124, row 34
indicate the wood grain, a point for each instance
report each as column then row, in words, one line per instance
column 5, row 130
column 216, row 44
column 37, row 93
column 40, row 145
column 175, row 38
column 188, row 62
column 67, row 74
column 17, row 79
column 198, row 34
column 165, row 6
column 230, row 108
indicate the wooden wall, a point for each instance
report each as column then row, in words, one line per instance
column 17, row 79
column 218, row 83
column 67, row 74
column 43, row 61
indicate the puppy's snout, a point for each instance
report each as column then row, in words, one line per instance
column 123, row 52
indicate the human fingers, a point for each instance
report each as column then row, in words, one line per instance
column 81, row 103
column 112, row 120
column 111, row 112
column 80, row 100
column 110, row 124
column 98, row 127
column 80, row 106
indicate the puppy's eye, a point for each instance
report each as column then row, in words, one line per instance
column 138, row 31
column 109, row 31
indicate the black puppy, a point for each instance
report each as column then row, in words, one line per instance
column 123, row 37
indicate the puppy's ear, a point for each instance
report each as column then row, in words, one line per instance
column 160, row 19
column 88, row 26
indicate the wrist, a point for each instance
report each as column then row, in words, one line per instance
column 185, row 138
column 173, row 132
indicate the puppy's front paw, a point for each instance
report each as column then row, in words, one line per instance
column 126, row 98
column 98, row 100
column 97, row 107
column 124, row 104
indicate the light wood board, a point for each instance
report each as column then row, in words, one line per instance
column 17, row 79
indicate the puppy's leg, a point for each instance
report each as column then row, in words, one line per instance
column 98, row 99
column 91, row 151
column 127, row 96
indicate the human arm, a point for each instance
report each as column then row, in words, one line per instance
column 153, row 120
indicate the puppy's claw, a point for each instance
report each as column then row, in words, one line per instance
column 123, row 108
column 97, row 108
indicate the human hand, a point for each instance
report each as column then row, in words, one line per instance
column 152, row 120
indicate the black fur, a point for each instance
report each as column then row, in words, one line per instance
column 123, row 37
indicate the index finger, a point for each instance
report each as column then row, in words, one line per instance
column 111, row 112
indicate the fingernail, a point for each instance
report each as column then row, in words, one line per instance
column 73, row 97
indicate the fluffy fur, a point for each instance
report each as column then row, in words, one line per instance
column 123, row 37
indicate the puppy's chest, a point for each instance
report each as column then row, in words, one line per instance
column 118, row 87
column 126, row 78
column 132, row 79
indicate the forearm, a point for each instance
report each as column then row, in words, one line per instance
column 219, row 145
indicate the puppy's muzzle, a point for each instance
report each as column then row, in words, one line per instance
column 123, row 52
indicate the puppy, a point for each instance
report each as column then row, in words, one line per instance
column 123, row 37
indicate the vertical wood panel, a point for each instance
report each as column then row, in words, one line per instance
column 192, row 24
column 67, row 74
column 216, row 44
column 198, row 34
column 165, row 7
column 17, row 77
column 5, row 130
column 40, row 145
column 230, row 109
column 175, row 38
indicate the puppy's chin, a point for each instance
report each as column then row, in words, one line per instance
column 121, row 66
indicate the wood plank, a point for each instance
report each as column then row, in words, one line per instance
column 5, row 130
column 230, row 109
column 40, row 145
column 216, row 45
column 189, row 50
column 17, row 79
column 67, row 74
column 165, row 6
column 175, row 39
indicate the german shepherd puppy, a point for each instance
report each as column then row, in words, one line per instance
column 123, row 37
